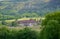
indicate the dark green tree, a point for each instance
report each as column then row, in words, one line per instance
column 51, row 30
column 27, row 33
column 14, row 23
column 51, row 26
column 51, row 16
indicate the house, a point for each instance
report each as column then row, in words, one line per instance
column 30, row 22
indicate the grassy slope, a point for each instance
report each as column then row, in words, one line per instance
column 23, row 19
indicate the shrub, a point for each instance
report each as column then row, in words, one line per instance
column 51, row 25
column 51, row 30
column 53, row 16
column 25, row 33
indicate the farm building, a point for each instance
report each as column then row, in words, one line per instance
column 30, row 22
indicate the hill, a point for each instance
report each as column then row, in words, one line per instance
column 19, row 7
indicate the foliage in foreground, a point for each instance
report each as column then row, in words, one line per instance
column 51, row 26
column 51, row 30
column 53, row 16
column 25, row 33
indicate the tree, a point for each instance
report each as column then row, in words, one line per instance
column 51, row 25
column 30, row 15
column 51, row 16
column 14, row 23
column 3, row 21
column 51, row 30
column 27, row 33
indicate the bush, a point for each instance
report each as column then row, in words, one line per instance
column 25, row 33
column 53, row 16
column 3, row 32
column 14, row 23
column 51, row 30
column 51, row 26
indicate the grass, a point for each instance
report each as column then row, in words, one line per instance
column 35, row 28
column 21, row 27
column 9, row 21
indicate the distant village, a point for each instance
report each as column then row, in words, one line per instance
column 30, row 22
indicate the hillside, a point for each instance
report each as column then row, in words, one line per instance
column 19, row 7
